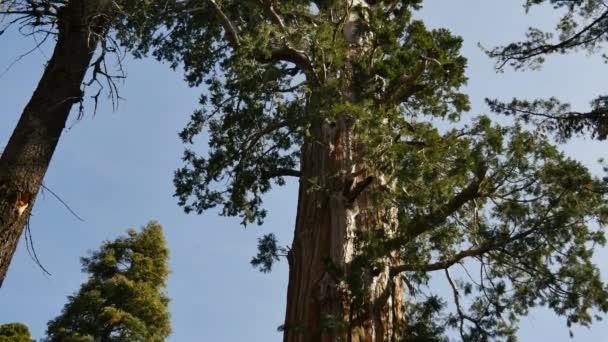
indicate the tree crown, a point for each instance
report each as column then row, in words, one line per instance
column 123, row 299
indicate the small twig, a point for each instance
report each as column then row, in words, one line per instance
column 62, row 202
column 29, row 245
column 457, row 302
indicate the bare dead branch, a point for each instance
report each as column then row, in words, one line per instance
column 44, row 187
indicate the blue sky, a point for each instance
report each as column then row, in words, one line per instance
column 115, row 169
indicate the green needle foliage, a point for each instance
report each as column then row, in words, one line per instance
column 124, row 298
column 498, row 201
column 583, row 26
column 15, row 332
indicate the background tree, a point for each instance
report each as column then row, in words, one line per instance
column 15, row 332
column 341, row 94
column 583, row 26
column 124, row 298
column 78, row 26
column 85, row 33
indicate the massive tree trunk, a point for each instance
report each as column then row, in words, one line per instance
column 335, row 203
column 319, row 303
column 28, row 153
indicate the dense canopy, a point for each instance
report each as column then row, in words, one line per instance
column 284, row 77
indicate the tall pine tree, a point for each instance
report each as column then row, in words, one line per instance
column 124, row 298
column 341, row 94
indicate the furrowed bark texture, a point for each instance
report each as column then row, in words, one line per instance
column 319, row 307
column 30, row 148
column 325, row 226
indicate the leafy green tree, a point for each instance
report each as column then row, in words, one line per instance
column 124, row 298
column 583, row 26
column 343, row 95
column 15, row 332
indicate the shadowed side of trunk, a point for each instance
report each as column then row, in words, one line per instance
column 28, row 153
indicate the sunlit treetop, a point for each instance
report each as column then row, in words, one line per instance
column 15, row 332
column 124, row 298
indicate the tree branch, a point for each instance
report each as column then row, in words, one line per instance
column 438, row 217
column 549, row 48
column 231, row 32
column 473, row 252
column 352, row 194
column 291, row 55
column 270, row 12
column 280, row 172
column 406, row 85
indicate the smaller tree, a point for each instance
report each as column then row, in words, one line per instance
column 15, row 332
column 124, row 298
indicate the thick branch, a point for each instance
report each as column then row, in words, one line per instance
column 277, row 53
column 255, row 138
column 406, row 85
column 281, row 172
column 352, row 194
column 440, row 265
column 438, row 217
column 473, row 252
column 291, row 55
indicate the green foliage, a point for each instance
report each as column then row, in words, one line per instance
column 15, row 332
column 262, row 100
column 425, row 323
column 583, row 26
column 268, row 252
column 124, row 298
column 495, row 198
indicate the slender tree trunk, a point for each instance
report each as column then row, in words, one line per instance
column 28, row 153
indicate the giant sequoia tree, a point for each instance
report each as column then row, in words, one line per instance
column 583, row 26
column 340, row 93
column 123, row 299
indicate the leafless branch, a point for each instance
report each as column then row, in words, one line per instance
column 44, row 187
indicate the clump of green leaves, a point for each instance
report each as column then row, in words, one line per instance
column 15, row 332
